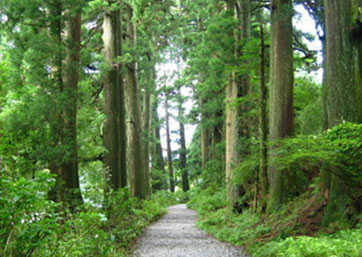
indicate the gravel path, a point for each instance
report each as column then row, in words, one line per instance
column 176, row 235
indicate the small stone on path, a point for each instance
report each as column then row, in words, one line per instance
column 176, row 235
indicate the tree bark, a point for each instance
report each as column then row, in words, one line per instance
column 70, row 83
column 324, row 87
column 205, row 136
column 114, row 130
column 340, row 62
column 263, row 127
column 237, row 86
column 157, row 157
column 56, row 123
column 281, row 91
column 135, row 151
column 64, row 114
column 358, row 81
column 147, row 113
column 342, row 87
column 182, row 151
column 169, row 151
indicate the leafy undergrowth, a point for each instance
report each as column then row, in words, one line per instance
column 31, row 225
column 294, row 231
column 299, row 227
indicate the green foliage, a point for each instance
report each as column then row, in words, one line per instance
column 212, row 173
column 210, row 199
column 307, row 106
column 27, row 218
column 97, row 233
column 346, row 142
column 337, row 151
column 273, row 235
column 158, row 179
column 165, row 198
column 246, row 171
column 239, row 229
column 302, row 159
column 84, row 234
column 342, row 244
column 128, row 216
column 194, row 157
column 31, row 225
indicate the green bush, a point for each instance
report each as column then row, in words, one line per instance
column 346, row 143
column 212, row 174
column 83, row 234
column 240, row 229
column 27, row 218
column 210, row 199
column 164, row 197
column 337, row 151
column 248, row 229
column 347, row 243
column 31, row 225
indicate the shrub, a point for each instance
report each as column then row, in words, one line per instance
column 347, row 243
column 31, row 225
column 27, row 218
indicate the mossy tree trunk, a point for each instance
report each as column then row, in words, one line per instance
column 281, row 93
column 340, row 62
column 115, row 129
column 135, row 151
column 237, row 86
column 343, row 86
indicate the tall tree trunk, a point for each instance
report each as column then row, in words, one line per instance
column 185, row 175
column 263, row 127
column 325, row 181
column 242, row 34
column 169, row 151
column 358, row 81
column 182, row 151
column 135, row 151
column 56, row 124
column 147, row 112
column 63, row 124
column 114, row 130
column 341, row 86
column 205, row 136
column 216, row 137
column 238, row 86
column 324, row 87
column 340, row 62
column 281, row 91
column 317, row 11
column 70, row 83
column 157, row 157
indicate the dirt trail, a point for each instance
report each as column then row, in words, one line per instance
column 176, row 235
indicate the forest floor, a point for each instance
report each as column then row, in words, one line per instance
column 176, row 234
